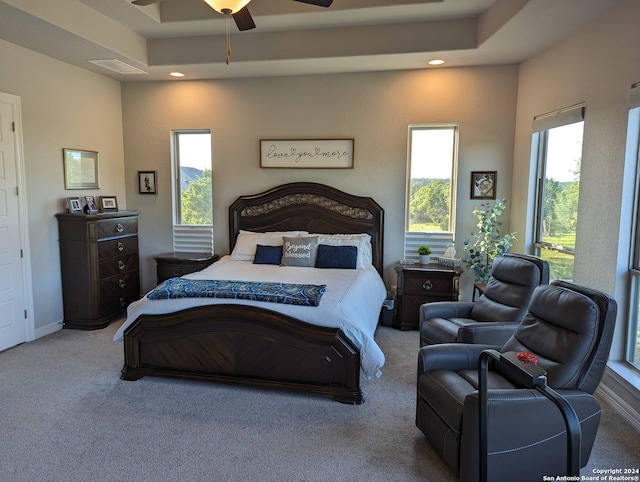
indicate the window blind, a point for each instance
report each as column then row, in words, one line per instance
column 561, row 117
column 634, row 96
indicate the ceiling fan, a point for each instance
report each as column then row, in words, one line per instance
column 237, row 9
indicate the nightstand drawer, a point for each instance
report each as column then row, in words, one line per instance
column 427, row 285
column 419, row 284
column 174, row 265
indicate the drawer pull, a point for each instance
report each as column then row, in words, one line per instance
column 121, row 283
column 123, row 302
column 120, row 246
column 121, row 265
column 427, row 285
column 178, row 272
column 118, row 228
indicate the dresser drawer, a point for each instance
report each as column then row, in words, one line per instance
column 126, row 286
column 118, row 292
column 118, row 247
column 114, row 266
column 111, row 228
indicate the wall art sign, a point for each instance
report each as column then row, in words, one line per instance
column 80, row 169
column 306, row 153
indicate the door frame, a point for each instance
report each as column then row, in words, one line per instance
column 27, row 280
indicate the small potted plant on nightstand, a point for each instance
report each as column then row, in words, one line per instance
column 424, row 252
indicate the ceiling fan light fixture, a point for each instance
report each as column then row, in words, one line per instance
column 227, row 6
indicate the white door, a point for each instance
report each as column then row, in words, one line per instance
column 13, row 314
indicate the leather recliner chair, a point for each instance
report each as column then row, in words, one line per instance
column 568, row 329
column 495, row 315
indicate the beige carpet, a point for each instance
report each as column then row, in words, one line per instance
column 67, row 416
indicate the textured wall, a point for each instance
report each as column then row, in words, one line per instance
column 373, row 108
column 62, row 106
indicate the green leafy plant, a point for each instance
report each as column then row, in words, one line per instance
column 424, row 250
column 487, row 244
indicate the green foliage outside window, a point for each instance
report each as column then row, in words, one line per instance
column 429, row 205
column 197, row 205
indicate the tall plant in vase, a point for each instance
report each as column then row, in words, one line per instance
column 488, row 243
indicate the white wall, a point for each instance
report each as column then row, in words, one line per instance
column 62, row 106
column 373, row 108
column 596, row 66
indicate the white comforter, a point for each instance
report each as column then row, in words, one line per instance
column 351, row 302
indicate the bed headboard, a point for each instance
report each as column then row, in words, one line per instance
column 312, row 207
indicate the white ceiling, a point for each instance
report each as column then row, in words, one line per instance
column 292, row 38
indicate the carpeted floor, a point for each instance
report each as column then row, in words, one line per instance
column 68, row 417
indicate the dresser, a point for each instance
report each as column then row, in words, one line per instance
column 173, row 265
column 99, row 265
column 419, row 284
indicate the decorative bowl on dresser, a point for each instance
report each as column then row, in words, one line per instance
column 99, row 265
column 173, row 265
column 418, row 284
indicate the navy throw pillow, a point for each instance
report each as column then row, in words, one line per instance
column 341, row 257
column 267, row 254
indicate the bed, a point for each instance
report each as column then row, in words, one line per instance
column 264, row 344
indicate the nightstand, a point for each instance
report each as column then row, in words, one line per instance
column 419, row 284
column 173, row 265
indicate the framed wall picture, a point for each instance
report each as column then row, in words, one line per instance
column 73, row 205
column 147, row 182
column 108, row 203
column 80, row 169
column 307, row 153
column 483, row 184
column 91, row 207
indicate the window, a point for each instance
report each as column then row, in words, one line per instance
column 557, row 140
column 192, row 192
column 430, row 210
column 632, row 352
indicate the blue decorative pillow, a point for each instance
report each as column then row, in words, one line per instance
column 267, row 254
column 341, row 257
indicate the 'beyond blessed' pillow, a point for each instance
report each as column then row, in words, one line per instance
column 299, row 251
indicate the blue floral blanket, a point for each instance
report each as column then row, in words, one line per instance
column 287, row 293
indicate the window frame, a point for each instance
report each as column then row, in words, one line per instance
column 540, row 141
column 454, row 169
column 176, row 173
column 438, row 241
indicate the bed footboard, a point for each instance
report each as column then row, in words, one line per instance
column 244, row 345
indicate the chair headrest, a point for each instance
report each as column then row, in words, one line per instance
column 569, row 329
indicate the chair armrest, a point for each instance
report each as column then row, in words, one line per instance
column 446, row 309
column 450, row 356
column 487, row 332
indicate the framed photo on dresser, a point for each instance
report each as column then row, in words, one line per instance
column 108, row 203
column 91, row 206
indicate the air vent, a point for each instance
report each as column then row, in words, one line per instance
column 117, row 66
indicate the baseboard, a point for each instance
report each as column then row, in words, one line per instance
column 48, row 329
column 609, row 392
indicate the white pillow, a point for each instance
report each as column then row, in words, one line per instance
column 247, row 241
column 360, row 241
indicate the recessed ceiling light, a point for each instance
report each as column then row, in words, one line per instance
column 436, row 62
column 176, row 74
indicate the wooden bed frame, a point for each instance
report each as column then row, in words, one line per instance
column 252, row 346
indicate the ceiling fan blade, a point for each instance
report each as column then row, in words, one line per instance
column 243, row 19
column 319, row 3
column 144, row 3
